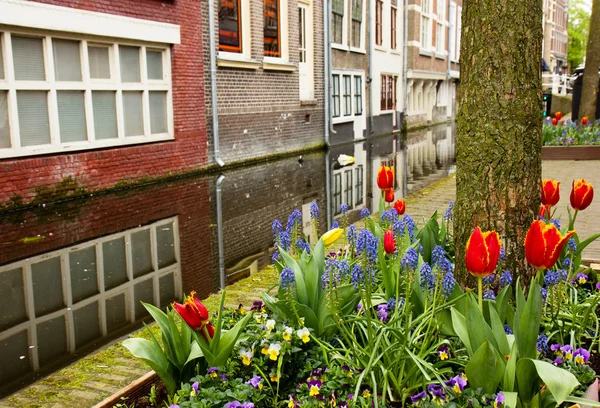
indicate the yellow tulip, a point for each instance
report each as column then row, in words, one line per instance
column 331, row 236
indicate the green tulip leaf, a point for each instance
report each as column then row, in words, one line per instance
column 510, row 399
column 227, row 342
column 301, row 290
column 529, row 323
column 583, row 244
column 153, row 355
column 478, row 329
column 502, row 302
column 583, row 402
column 560, row 383
column 459, row 324
column 485, row 369
column 499, row 333
column 313, row 283
column 508, row 383
column 195, row 353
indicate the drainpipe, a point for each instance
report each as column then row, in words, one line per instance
column 220, row 233
column 405, row 110
column 213, row 81
column 370, row 71
column 449, row 45
column 327, row 106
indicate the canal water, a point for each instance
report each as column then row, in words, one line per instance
column 73, row 274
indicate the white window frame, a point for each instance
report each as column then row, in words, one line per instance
column 353, row 116
column 425, row 29
column 246, row 33
column 458, row 32
column 452, row 32
column 284, row 57
column 127, row 288
column 363, row 25
column 87, row 85
column 440, row 43
column 344, row 44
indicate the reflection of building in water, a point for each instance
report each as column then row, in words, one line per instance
column 59, row 302
column 348, row 182
column 430, row 154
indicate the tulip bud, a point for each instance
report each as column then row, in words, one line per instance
column 331, row 236
column 389, row 242
column 543, row 244
column 400, row 206
column 545, row 211
column 582, row 194
column 584, row 120
column 192, row 311
column 385, row 177
column 483, row 251
column 554, row 121
column 550, row 192
column 389, row 195
column 558, row 115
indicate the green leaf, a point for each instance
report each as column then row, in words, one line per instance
column 529, row 323
column 502, row 302
column 459, row 324
column 227, row 342
column 510, row 399
column 582, row 401
column 485, row 369
column 195, row 353
column 301, row 291
column 478, row 329
column 508, row 383
column 313, row 282
column 581, row 246
column 152, row 355
column 559, row 382
column 499, row 333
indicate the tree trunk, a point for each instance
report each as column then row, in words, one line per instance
column 589, row 92
column 499, row 130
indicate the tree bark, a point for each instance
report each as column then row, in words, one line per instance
column 589, row 92
column 499, row 125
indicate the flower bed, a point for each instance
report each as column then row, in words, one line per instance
column 558, row 132
column 374, row 317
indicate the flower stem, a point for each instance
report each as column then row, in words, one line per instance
column 480, row 287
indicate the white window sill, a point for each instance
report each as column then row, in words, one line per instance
column 380, row 48
column 277, row 64
column 308, row 102
column 233, row 60
column 358, row 50
column 342, row 119
column 440, row 56
column 425, row 52
column 395, row 52
column 340, row 47
column 82, row 146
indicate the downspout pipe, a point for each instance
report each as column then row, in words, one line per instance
column 370, row 62
column 213, row 82
column 221, row 251
column 450, row 27
column 327, row 106
column 405, row 108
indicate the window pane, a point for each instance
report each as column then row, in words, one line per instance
column 140, row 253
column 143, row 292
column 13, row 348
column 132, row 112
column 105, row 114
column 67, row 63
column 166, row 286
column 71, row 116
column 1, row 60
column 28, row 58
column 47, row 286
column 165, row 243
column 33, row 117
column 154, row 61
column 84, row 277
column 271, row 28
column 115, row 265
column 116, row 312
column 12, row 298
column 130, row 63
column 87, row 324
column 4, row 134
column 158, row 112
column 99, row 62
column 54, row 333
column 229, row 26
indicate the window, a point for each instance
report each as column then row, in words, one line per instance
column 439, row 38
column 359, row 184
column 121, row 95
column 378, row 22
column 271, row 18
column 337, row 21
column 393, row 24
column 348, row 188
column 388, row 92
column 452, row 32
column 358, row 95
column 347, row 95
column 458, row 31
column 336, row 96
column 302, row 33
column 425, row 23
column 441, row 10
column 337, row 192
column 230, row 30
column 357, row 6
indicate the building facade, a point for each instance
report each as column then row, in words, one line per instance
column 269, row 77
column 434, row 28
column 93, row 94
column 556, row 34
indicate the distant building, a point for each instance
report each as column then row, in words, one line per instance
column 434, row 33
column 556, row 34
column 98, row 93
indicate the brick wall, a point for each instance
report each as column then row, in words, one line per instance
column 260, row 112
column 104, row 167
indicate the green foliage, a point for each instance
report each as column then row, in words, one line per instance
column 579, row 23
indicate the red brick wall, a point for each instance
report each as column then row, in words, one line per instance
column 102, row 168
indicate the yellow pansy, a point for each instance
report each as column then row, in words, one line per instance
column 304, row 334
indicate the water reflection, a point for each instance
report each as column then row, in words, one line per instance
column 72, row 275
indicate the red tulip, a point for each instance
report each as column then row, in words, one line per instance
column 558, row 115
column 584, row 120
column 211, row 331
column 550, row 192
column 385, row 177
column 554, row 121
column 545, row 211
column 389, row 242
column 192, row 311
column 582, row 194
column 389, row 195
column 483, row 251
column 400, row 206
column 543, row 244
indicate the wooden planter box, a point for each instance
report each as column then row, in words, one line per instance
column 571, row 153
column 132, row 392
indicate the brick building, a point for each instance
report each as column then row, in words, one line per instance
column 434, row 28
column 269, row 76
column 556, row 34
column 98, row 92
